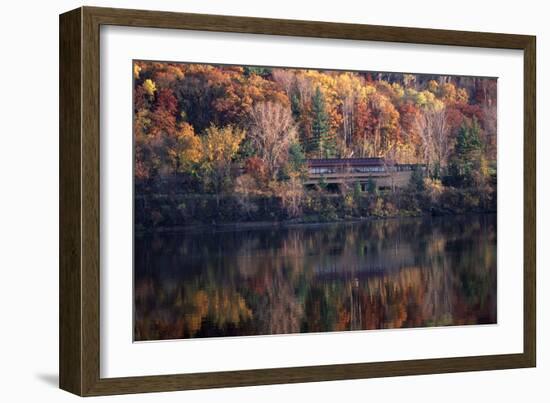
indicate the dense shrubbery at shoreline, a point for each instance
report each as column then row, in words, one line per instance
column 172, row 211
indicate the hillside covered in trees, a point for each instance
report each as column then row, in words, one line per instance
column 230, row 143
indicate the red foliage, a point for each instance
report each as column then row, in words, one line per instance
column 408, row 116
column 163, row 122
column 255, row 167
column 455, row 118
column 166, row 101
column 469, row 111
column 141, row 100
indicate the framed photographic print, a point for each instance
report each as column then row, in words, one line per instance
column 249, row 201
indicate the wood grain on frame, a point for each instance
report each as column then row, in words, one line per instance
column 79, row 200
column 70, row 314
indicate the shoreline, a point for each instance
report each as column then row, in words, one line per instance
column 235, row 226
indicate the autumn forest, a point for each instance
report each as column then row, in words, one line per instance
column 241, row 137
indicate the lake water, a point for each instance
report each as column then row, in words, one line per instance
column 395, row 273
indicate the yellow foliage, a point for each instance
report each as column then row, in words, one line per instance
column 438, row 105
column 137, row 70
column 369, row 89
column 448, row 92
column 398, row 91
column 219, row 145
column 406, row 153
column 149, row 87
column 190, row 147
column 434, row 188
column 427, row 98
column 176, row 71
column 411, row 94
column 462, row 96
column 433, row 86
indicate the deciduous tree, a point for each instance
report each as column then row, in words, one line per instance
column 272, row 130
column 219, row 146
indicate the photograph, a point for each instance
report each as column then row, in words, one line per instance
column 282, row 200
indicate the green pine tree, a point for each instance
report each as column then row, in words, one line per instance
column 466, row 158
column 297, row 114
column 322, row 142
column 416, row 182
column 297, row 159
column 371, row 187
column 296, row 106
column 260, row 71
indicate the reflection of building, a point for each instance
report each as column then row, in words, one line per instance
column 384, row 173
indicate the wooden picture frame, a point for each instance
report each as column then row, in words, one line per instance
column 79, row 346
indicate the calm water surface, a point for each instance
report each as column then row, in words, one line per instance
column 396, row 273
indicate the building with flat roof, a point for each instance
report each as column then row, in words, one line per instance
column 385, row 173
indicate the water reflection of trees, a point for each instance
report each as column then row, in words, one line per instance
column 374, row 275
